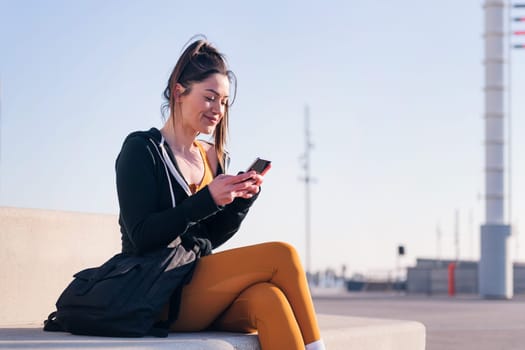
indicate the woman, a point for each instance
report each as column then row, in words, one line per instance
column 172, row 188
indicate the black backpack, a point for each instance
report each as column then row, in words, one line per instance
column 125, row 296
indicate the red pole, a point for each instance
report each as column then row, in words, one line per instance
column 451, row 279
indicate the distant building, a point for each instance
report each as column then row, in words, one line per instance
column 431, row 276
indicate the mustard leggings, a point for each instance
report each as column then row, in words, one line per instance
column 259, row 288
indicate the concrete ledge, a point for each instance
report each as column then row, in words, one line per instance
column 35, row 338
column 40, row 250
column 339, row 333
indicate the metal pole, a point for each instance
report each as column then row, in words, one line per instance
column 471, row 233
column 307, row 226
column 509, row 113
column 307, row 180
column 456, row 234
column 438, row 241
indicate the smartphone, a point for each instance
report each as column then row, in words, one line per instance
column 260, row 165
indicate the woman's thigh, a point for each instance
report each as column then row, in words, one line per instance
column 219, row 278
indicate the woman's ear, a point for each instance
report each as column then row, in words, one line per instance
column 178, row 92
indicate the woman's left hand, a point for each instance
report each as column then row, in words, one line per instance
column 256, row 182
column 253, row 184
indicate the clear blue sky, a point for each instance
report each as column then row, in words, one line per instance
column 394, row 91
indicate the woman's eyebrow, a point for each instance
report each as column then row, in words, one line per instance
column 216, row 93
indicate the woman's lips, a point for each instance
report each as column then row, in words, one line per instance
column 212, row 120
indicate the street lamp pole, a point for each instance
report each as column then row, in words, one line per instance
column 307, row 181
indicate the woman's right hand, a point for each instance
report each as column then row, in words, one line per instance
column 225, row 188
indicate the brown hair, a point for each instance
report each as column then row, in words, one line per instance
column 198, row 61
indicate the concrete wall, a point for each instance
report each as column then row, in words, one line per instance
column 40, row 250
column 418, row 280
column 428, row 280
column 439, row 280
column 466, row 280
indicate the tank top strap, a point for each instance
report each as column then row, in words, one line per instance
column 208, row 173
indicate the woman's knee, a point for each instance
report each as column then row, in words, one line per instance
column 272, row 315
column 266, row 298
column 284, row 253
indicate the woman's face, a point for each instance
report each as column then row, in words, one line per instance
column 204, row 106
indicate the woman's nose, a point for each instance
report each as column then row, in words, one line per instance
column 217, row 107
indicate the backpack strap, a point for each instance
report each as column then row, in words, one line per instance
column 161, row 328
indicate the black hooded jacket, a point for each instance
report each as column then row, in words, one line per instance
column 147, row 219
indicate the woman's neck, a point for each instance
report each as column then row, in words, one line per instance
column 179, row 139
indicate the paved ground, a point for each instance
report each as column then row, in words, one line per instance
column 462, row 322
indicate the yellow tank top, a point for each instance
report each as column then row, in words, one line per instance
column 207, row 177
